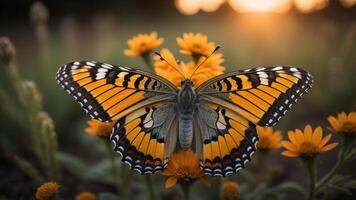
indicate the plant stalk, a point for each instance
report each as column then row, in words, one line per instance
column 337, row 166
column 310, row 166
column 149, row 184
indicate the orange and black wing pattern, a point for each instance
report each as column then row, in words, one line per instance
column 107, row 92
column 140, row 137
column 242, row 100
column 138, row 102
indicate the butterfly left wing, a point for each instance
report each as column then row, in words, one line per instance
column 138, row 101
column 239, row 101
column 107, row 92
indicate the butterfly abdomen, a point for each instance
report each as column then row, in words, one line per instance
column 185, row 132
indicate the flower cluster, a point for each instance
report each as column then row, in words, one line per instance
column 195, row 45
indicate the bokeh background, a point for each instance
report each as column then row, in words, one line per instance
column 317, row 35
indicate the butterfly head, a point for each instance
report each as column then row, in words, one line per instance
column 186, row 83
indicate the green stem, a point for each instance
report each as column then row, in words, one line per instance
column 310, row 165
column 337, row 166
column 149, row 184
column 186, row 191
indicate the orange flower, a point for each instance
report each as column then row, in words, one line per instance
column 98, row 128
column 343, row 124
column 230, row 190
column 142, row 43
column 212, row 67
column 86, row 196
column 309, row 143
column 268, row 139
column 195, row 44
column 47, row 191
column 183, row 167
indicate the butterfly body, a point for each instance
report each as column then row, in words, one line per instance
column 154, row 118
column 186, row 106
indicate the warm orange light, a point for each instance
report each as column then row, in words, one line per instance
column 279, row 6
column 310, row 5
column 210, row 5
column 191, row 7
column 188, row 7
column 348, row 3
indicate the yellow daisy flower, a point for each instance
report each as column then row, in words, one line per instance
column 183, row 166
column 47, row 191
column 142, row 44
column 268, row 139
column 343, row 123
column 98, row 128
column 230, row 190
column 195, row 44
column 308, row 143
column 86, row 196
column 212, row 67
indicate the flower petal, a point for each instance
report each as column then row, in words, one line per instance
column 170, row 182
column 329, row 147
column 289, row 146
column 317, row 136
column 325, row 140
column 290, row 154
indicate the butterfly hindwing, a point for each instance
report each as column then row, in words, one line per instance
column 107, row 92
column 141, row 138
column 228, row 139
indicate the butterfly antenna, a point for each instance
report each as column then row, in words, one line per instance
column 174, row 67
column 206, row 58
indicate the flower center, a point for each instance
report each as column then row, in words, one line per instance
column 196, row 45
column 308, row 148
column 348, row 127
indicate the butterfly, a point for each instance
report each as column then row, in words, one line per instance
column 154, row 118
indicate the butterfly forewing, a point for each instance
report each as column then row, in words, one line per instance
column 105, row 91
column 242, row 100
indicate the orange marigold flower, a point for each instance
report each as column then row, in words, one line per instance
column 98, row 128
column 142, row 43
column 307, row 143
column 195, row 44
column 183, row 166
column 229, row 190
column 268, row 139
column 343, row 123
column 86, row 196
column 47, row 191
column 212, row 67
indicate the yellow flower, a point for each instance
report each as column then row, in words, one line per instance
column 98, row 128
column 142, row 43
column 195, row 44
column 343, row 124
column 268, row 139
column 86, row 196
column 230, row 190
column 183, row 166
column 212, row 67
column 309, row 143
column 47, row 191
